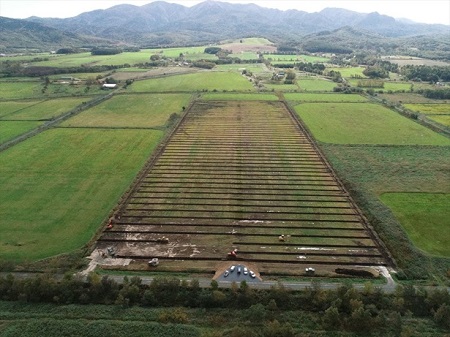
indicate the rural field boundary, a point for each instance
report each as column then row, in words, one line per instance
column 54, row 121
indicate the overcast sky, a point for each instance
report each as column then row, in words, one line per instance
column 425, row 11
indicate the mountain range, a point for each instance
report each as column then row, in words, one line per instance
column 162, row 23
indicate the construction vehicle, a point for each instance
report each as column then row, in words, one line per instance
column 232, row 254
column 153, row 262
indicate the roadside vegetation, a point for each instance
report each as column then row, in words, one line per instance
column 168, row 307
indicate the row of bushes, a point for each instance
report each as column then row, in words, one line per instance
column 343, row 308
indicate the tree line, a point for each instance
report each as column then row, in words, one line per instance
column 345, row 308
column 426, row 73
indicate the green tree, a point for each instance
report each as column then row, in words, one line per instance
column 331, row 319
column 276, row 329
column 442, row 316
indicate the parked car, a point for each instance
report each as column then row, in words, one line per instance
column 239, row 270
column 232, row 268
column 226, row 273
column 245, row 271
column 252, row 274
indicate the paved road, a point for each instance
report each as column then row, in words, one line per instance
column 388, row 288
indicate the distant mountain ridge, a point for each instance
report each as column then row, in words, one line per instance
column 162, row 23
column 16, row 34
column 222, row 18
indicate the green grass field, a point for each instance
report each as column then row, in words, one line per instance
column 81, row 76
column 396, row 86
column 195, row 82
column 349, row 72
column 15, row 90
column 387, row 86
column 314, row 59
column 248, row 41
column 43, row 110
column 239, row 97
column 281, row 87
column 244, row 56
column 11, row 129
column 315, row 85
column 148, row 111
column 188, row 52
column 410, row 98
column 59, row 186
column 364, row 123
column 425, row 217
column 76, row 60
column 309, row 97
column 429, row 109
column 11, row 107
column 282, row 58
column 33, row 90
column 399, row 171
column 255, row 68
column 396, row 169
column 444, row 120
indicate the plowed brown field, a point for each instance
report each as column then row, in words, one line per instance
column 237, row 175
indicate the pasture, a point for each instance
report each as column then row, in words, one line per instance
column 425, row 217
column 441, row 119
column 59, row 186
column 349, row 72
column 11, row 107
column 245, row 56
column 12, row 129
column 417, row 61
column 40, row 110
column 282, row 58
column 190, row 53
column 386, row 85
column 20, row 90
column 317, row 84
column 397, row 86
column 325, row 97
column 239, row 97
column 87, row 59
column 135, row 110
column 314, row 59
column 364, row 123
column 280, row 86
column 248, row 45
column 405, row 98
column 202, row 81
column 378, row 171
column 429, row 109
column 253, row 67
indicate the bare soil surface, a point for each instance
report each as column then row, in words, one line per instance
column 241, row 176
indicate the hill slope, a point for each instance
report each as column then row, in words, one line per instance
column 161, row 23
column 20, row 34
